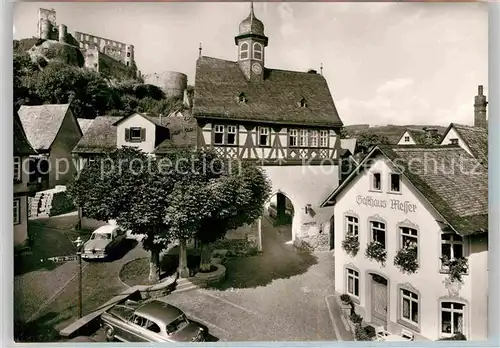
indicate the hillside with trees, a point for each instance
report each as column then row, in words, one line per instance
column 62, row 79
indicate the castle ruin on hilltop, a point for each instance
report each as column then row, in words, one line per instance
column 91, row 46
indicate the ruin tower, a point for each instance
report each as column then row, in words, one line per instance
column 63, row 31
column 172, row 83
column 480, row 104
column 47, row 24
column 129, row 55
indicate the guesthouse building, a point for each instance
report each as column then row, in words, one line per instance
column 411, row 228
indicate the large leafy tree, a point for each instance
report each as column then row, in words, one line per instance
column 186, row 194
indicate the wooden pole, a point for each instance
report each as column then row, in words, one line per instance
column 80, row 305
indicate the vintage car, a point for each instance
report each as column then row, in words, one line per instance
column 103, row 242
column 153, row 321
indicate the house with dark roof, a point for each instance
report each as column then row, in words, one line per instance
column 53, row 131
column 84, row 123
column 416, row 136
column 411, row 223
column 155, row 135
column 22, row 151
column 473, row 139
column 285, row 120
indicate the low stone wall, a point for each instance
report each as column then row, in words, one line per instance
column 212, row 278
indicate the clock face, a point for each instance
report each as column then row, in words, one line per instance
column 256, row 68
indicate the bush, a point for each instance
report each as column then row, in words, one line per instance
column 376, row 252
column 407, row 260
column 356, row 318
column 456, row 267
column 370, row 331
column 61, row 204
column 351, row 245
column 458, row 337
column 302, row 245
column 360, row 333
column 345, row 298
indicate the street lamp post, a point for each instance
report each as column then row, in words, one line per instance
column 79, row 243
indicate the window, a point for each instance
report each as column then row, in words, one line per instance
column 352, row 225
column 293, row 138
column 452, row 246
column 378, row 232
column 407, row 138
column 231, row 135
column 376, row 182
column 452, row 318
column 323, row 138
column 127, row 63
column 395, row 183
column 263, row 136
column 17, row 211
column 352, row 282
column 244, row 51
column 17, row 168
column 135, row 134
column 313, row 138
column 151, row 326
column 242, row 98
column 218, row 134
column 454, row 141
column 257, row 51
column 303, row 103
column 303, row 137
column 409, row 237
column 409, row 306
column 128, row 54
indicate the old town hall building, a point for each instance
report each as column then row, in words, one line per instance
column 285, row 120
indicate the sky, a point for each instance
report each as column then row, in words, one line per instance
column 385, row 63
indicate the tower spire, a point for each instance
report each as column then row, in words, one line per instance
column 321, row 69
column 252, row 15
column 199, row 49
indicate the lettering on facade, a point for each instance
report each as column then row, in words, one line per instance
column 394, row 204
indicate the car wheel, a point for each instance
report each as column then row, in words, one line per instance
column 110, row 333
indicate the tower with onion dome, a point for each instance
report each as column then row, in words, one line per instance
column 251, row 42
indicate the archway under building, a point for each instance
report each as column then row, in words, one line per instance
column 280, row 213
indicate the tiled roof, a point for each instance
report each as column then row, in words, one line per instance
column 21, row 143
column 476, row 139
column 85, row 124
column 182, row 130
column 274, row 100
column 42, row 122
column 99, row 137
column 448, row 177
column 418, row 135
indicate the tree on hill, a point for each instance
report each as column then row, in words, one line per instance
column 187, row 194
column 365, row 141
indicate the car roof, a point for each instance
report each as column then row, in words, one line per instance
column 159, row 311
column 106, row 229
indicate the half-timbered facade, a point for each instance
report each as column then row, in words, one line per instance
column 285, row 120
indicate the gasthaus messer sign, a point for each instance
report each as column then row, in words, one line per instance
column 394, row 204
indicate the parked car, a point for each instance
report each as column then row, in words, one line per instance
column 103, row 242
column 153, row 321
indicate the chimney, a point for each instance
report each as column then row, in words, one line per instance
column 312, row 71
column 480, row 109
column 431, row 135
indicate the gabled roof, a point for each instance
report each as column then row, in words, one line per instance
column 156, row 120
column 274, row 100
column 418, row 135
column 476, row 139
column 182, row 132
column 99, row 137
column 348, row 144
column 42, row 123
column 85, row 124
column 21, row 143
column 457, row 189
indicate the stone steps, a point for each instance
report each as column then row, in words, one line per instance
column 185, row 284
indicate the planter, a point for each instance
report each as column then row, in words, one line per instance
column 211, row 278
column 375, row 251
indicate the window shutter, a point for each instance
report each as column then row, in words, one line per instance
column 127, row 134
column 143, row 134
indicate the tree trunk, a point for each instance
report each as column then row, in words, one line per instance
column 206, row 257
column 183, row 268
column 154, row 267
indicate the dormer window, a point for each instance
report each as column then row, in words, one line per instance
column 303, row 103
column 257, row 51
column 454, row 141
column 244, row 51
column 242, row 98
column 407, row 139
column 135, row 134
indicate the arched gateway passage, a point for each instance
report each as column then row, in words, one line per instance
column 280, row 213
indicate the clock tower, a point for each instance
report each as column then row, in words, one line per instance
column 251, row 42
